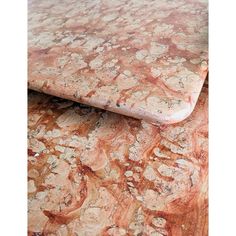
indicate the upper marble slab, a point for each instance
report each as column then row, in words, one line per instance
column 145, row 59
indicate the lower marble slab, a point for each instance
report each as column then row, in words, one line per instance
column 92, row 172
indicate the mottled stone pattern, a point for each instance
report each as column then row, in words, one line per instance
column 143, row 58
column 96, row 173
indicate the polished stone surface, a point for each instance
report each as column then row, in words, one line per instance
column 146, row 59
column 93, row 172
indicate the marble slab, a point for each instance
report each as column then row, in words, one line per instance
column 145, row 59
column 93, row 172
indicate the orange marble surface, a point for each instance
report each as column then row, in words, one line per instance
column 146, row 59
column 97, row 173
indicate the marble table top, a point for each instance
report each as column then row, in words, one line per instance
column 93, row 172
column 146, row 59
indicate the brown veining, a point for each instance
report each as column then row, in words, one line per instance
column 149, row 57
column 93, row 172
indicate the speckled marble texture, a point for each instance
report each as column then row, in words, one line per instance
column 97, row 173
column 146, row 59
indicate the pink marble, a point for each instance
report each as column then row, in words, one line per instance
column 146, row 59
column 96, row 173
